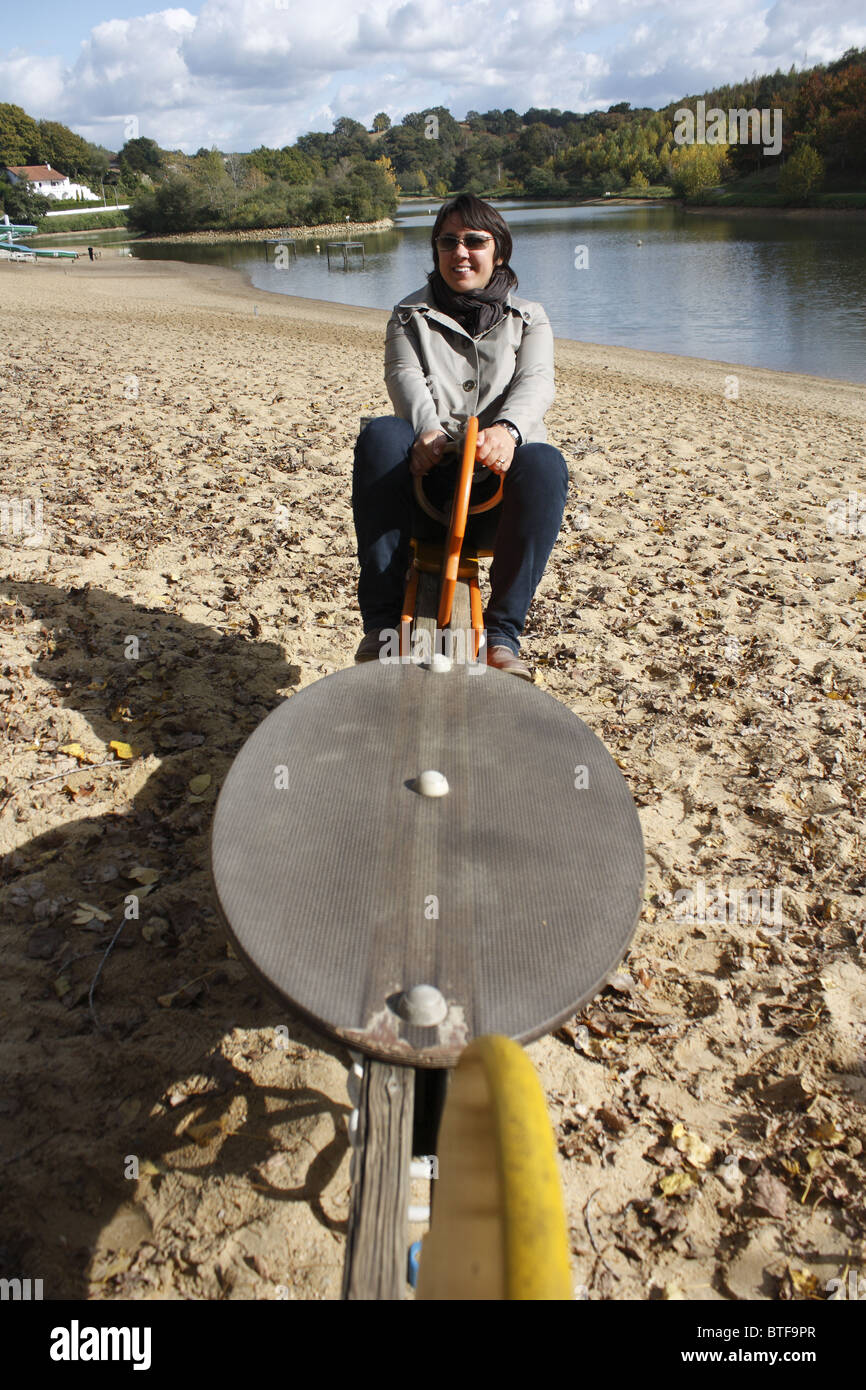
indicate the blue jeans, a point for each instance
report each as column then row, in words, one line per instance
column 530, row 516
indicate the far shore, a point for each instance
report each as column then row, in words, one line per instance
column 740, row 210
column 333, row 230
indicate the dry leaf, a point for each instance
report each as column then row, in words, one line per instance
column 673, row 1184
column 695, row 1151
column 827, row 1133
column 117, row 1266
column 200, row 784
column 76, row 751
column 187, row 994
column 123, row 750
column 206, row 1133
column 87, row 913
column 143, row 875
column 804, row 1282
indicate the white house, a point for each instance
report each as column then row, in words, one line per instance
column 41, row 178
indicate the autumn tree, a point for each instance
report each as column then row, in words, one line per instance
column 802, row 174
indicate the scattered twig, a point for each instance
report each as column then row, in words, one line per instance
column 109, row 762
column 22, row 1153
column 99, row 970
column 592, row 1239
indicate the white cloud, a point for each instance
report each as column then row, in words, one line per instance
column 242, row 72
column 36, row 84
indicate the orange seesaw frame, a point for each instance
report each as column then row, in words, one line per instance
column 451, row 567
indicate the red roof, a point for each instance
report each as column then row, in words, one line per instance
column 41, row 172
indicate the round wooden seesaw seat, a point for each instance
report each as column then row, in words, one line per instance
column 515, row 894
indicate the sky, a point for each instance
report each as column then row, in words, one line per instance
column 236, row 74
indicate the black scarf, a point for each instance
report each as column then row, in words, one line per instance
column 477, row 310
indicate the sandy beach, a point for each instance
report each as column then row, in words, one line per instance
column 189, row 442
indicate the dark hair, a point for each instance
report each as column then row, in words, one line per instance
column 477, row 214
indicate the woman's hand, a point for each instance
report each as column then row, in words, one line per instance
column 495, row 449
column 426, row 452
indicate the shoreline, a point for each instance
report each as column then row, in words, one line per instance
column 740, row 210
column 239, row 282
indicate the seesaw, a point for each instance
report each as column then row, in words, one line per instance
column 434, row 932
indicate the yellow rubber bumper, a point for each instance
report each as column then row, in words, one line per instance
column 498, row 1229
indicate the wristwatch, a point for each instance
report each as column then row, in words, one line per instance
column 512, row 430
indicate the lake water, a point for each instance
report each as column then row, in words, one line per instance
column 785, row 293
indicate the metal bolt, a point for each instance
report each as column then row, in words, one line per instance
column 423, row 1005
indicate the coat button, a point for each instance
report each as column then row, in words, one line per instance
column 469, row 385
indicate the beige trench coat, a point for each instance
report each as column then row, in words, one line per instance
column 437, row 375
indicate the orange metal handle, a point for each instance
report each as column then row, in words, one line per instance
column 457, row 525
column 427, row 506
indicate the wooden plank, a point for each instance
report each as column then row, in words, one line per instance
column 427, row 606
column 377, row 1244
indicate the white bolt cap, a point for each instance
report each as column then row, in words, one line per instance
column 423, row 1005
column 432, row 783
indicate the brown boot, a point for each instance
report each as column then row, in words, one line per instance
column 371, row 644
column 504, row 659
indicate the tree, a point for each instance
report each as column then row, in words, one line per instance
column 19, row 136
column 177, row 205
column 214, row 180
column 350, row 138
column 236, row 167
column 21, row 204
column 467, row 171
column 64, row 150
column 694, row 167
column 802, row 175
column 289, row 164
column 382, row 121
column 141, row 156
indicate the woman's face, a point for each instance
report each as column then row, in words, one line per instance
column 461, row 269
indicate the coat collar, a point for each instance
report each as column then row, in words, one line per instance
column 421, row 302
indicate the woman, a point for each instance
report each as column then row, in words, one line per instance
column 464, row 345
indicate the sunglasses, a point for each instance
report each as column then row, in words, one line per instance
column 473, row 241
